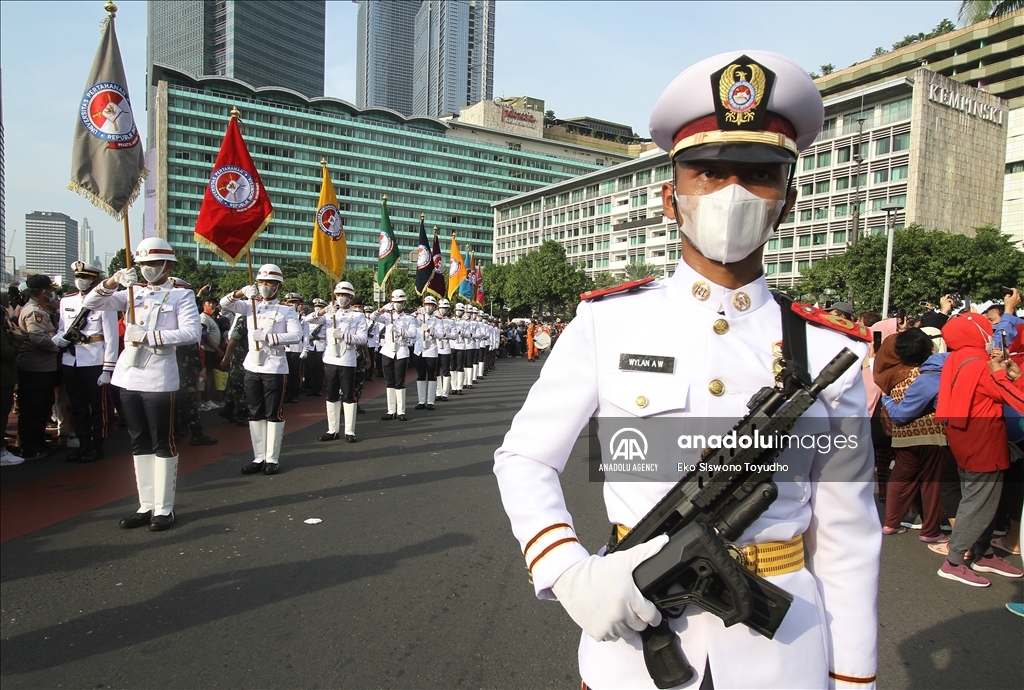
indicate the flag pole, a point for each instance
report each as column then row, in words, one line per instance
column 248, row 258
column 128, row 264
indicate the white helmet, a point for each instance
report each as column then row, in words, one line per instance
column 270, row 272
column 398, row 296
column 345, row 288
column 444, row 304
column 460, row 307
column 430, row 299
column 154, row 249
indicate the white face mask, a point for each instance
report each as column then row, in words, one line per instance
column 268, row 291
column 152, row 274
column 83, row 284
column 430, row 309
column 729, row 224
column 344, row 301
column 399, row 307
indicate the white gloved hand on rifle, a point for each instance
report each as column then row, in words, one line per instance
column 600, row 596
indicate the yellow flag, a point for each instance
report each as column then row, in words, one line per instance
column 456, row 269
column 329, row 248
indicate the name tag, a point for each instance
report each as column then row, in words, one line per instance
column 651, row 363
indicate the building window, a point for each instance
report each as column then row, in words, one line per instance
column 899, row 199
column 824, row 159
column 673, row 234
column 843, row 155
column 771, row 269
column 882, row 146
column 625, row 182
column 821, row 212
column 821, row 187
column 608, row 186
column 808, row 163
column 901, row 142
column 643, row 177
column 773, row 243
column 819, row 238
column 791, row 218
column 841, row 210
column 807, row 189
column 842, row 183
column 863, row 152
column 877, row 204
column 662, row 173
column 900, row 172
column 838, row 237
column 785, row 267
column 895, row 111
column 577, row 195
column 803, row 265
column 805, row 240
column 805, row 214
column 881, row 176
column 787, row 242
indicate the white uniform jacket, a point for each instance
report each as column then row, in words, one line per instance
column 373, row 331
column 444, row 326
column 456, row 333
column 100, row 330
column 831, row 628
column 428, row 335
column 281, row 324
column 348, row 328
column 398, row 334
column 171, row 317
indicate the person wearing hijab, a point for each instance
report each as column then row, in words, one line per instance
column 972, row 390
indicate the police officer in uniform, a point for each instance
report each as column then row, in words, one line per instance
column 147, row 371
column 444, row 351
column 87, row 362
column 316, row 343
column 266, row 367
column 372, row 342
column 37, row 367
column 734, row 126
column 398, row 335
column 346, row 331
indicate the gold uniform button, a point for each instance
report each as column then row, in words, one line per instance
column 641, row 401
column 716, row 387
column 721, row 326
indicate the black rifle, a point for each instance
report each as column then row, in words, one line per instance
column 74, row 332
column 706, row 511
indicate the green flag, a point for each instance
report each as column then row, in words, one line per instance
column 387, row 254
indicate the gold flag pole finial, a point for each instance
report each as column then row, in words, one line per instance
column 323, row 161
column 422, row 216
column 384, row 198
column 111, row 9
column 235, row 112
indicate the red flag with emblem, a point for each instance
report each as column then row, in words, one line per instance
column 236, row 207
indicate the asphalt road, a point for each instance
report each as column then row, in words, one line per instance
column 412, row 579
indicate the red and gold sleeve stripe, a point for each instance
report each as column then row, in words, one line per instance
column 855, row 680
column 546, row 541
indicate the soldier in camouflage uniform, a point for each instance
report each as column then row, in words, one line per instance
column 189, row 368
column 235, row 408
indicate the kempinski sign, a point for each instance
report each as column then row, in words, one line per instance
column 956, row 100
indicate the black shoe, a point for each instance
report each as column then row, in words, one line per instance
column 389, row 416
column 94, row 453
column 359, row 409
column 402, row 418
column 77, row 453
column 161, row 522
column 226, row 412
column 419, row 406
column 136, row 520
column 443, row 398
column 329, row 437
column 469, row 386
column 430, row 406
column 253, row 467
column 271, row 467
column 351, row 438
column 202, row 439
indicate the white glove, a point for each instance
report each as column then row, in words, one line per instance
column 250, row 291
column 59, row 342
column 303, row 354
column 126, row 277
column 334, row 334
column 135, row 334
column 600, row 596
column 332, row 308
column 258, row 335
column 103, row 379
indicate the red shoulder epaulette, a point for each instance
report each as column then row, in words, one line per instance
column 833, row 321
column 625, row 287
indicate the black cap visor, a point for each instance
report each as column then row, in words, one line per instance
column 736, row 152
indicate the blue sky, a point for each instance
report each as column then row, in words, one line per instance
column 609, row 60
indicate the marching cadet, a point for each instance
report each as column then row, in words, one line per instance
column 346, row 332
column 147, row 371
column 734, row 126
column 479, row 343
column 427, row 334
column 372, row 343
column 266, row 367
column 444, row 351
column 458, row 344
column 293, row 352
column 316, row 344
column 37, row 366
column 89, row 341
column 398, row 335
column 469, row 333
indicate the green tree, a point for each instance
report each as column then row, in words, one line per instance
column 926, row 265
column 195, row 275
column 638, row 270
column 231, row 281
column 496, row 278
column 117, row 263
column 362, row 281
column 545, row 281
column 828, row 68
column 604, row 279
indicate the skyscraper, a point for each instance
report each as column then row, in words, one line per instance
column 86, row 244
column 3, row 207
column 263, row 43
column 51, row 243
column 384, row 54
column 453, row 61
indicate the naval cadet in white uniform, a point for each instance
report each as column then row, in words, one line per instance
column 87, row 363
column 457, row 339
column 398, row 336
column 266, row 366
column 734, row 126
column 147, row 371
column 346, row 330
column 427, row 334
column 444, row 350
